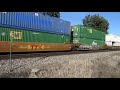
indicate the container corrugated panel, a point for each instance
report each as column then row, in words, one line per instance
column 43, row 22
column 47, row 23
column 20, row 35
column 61, row 27
column 65, row 28
column 91, row 33
column 33, row 21
column 60, row 24
column 81, row 31
column 87, row 41
column 99, row 34
column 52, row 29
column 55, row 25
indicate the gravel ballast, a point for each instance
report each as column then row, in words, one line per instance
column 89, row 65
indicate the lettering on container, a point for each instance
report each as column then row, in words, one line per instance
column 90, row 30
column 30, row 47
column 3, row 33
column 16, row 35
column 37, row 47
column 94, row 43
column 77, row 29
column 35, row 33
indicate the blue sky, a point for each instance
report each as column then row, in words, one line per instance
column 112, row 17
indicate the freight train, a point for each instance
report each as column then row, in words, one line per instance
column 31, row 32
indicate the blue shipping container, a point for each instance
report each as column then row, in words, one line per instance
column 34, row 21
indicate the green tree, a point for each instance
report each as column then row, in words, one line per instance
column 97, row 22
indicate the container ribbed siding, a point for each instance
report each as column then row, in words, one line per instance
column 86, row 41
column 34, row 21
column 19, row 35
column 80, row 31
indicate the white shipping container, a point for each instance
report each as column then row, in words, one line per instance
column 108, row 38
column 117, row 39
column 114, row 38
column 116, row 44
column 108, row 43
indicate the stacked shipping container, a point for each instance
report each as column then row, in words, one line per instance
column 85, row 35
column 33, row 31
column 34, row 21
column 35, row 27
column 19, row 35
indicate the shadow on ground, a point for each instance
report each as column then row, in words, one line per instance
column 15, row 75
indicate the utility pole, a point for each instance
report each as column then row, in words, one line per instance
column 10, row 51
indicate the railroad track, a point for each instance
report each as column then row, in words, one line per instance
column 6, row 56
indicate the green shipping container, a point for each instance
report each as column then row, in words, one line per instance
column 31, row 36
column 80, row 31
column 86, row 41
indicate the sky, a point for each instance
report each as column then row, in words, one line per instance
column 112, row 17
